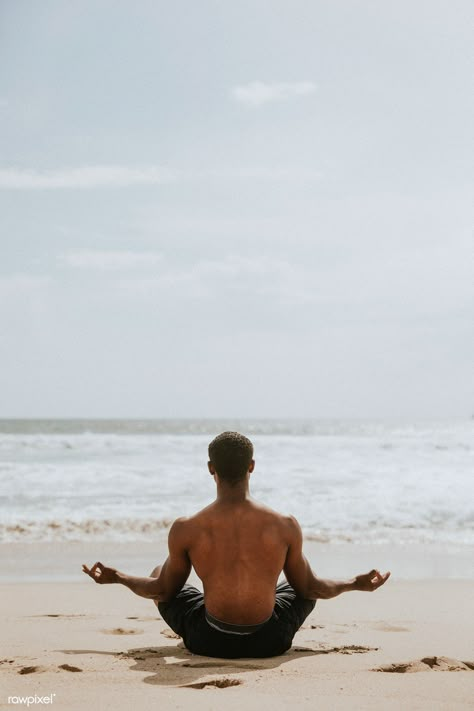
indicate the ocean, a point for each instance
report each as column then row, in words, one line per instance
column 345, row 481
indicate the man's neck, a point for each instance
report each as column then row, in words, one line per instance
column 233, row 494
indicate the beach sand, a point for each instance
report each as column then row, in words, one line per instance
column 101, row 647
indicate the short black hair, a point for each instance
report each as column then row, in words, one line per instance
column 231, row 454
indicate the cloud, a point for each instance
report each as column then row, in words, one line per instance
column 22, row 283
column 108, row 260
column 92, row 176
column 259, row 276
column 115, row 176
column 270, row 173
column 257, row 93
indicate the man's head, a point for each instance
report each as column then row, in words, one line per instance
column 231, row 457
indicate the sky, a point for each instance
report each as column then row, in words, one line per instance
column 221, row 209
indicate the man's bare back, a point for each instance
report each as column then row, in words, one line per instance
column 237, row 548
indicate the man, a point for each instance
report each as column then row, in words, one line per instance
column 238, row 548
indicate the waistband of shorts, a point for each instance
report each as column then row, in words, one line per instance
column 231, row 628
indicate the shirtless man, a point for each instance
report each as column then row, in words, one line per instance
column 238, row 548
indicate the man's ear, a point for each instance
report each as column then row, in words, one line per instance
column 210, row 466
column 252, row 466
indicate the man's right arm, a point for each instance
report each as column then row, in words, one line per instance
column 307, row 585
column 172, row 576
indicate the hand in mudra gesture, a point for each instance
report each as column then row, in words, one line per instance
column 100, row 573
column 368, row 582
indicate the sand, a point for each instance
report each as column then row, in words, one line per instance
column 406, row 646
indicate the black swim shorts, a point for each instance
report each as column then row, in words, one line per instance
column 204, row 634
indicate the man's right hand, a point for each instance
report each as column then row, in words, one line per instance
column 368, row 582
column 101, row 573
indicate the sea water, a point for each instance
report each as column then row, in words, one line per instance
column 345, row 481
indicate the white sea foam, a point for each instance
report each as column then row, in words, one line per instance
column 344, row 481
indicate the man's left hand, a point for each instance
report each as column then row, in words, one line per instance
column 370, row 581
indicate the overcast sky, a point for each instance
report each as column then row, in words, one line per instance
column 225, row 208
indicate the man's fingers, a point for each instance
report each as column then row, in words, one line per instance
column 371, row 581
column 375, row 579
column 89, row 571
column 381, row 579
column 93, row 572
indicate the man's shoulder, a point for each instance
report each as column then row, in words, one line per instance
column 291, row 526
column 188, row 523
column 287, row 525
column 285, row 520
column 178, row 527
column 180, row 522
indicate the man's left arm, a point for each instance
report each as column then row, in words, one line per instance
column 173, row 574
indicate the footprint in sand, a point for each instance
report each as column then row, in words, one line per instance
column 219, row 683
column 122, row 630
column 427, row 664
column 70, row 668
column 348, row 649
column 57, row 615
column 384, row 627
column 169, row 633
column 312, row 627
column 36, row 669
column 30, row 670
